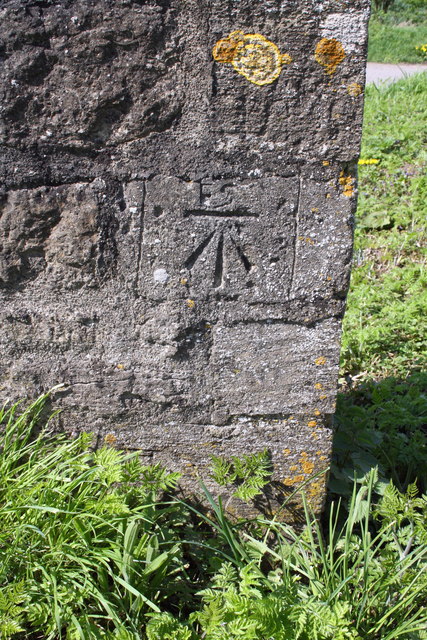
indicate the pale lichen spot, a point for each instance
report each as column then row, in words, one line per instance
column 253, row 56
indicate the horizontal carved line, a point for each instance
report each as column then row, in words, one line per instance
column 239, row 213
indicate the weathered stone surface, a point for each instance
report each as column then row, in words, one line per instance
column 176, row 226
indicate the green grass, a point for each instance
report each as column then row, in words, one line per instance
column 394, row 44
column 92, row 548
column 385, row 326
column 394, row 35
column 382, row 411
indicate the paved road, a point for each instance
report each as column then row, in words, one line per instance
column 382, row 72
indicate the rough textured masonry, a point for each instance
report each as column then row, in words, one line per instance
column 177, row 193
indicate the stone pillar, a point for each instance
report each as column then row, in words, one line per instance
column 178, row 191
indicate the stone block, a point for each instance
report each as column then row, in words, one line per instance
column 178, row 185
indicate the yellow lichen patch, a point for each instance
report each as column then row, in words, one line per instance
column 323, row 397
column 319, row 387
column 312, row 424
column 294, row 467
column 120, row 366
column 183, row 281
column 110, row 439
column 316, row 411
column 354, row 89
column 190, row 304
column 347, row 184
column 320, row 360
column 286, row 452
column 251, row 55
column 306, row 240
column 286, row 58
column 329, row 53
column 326, row 163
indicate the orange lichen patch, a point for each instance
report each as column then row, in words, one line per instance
column 329, row 53
column 294, row 479
column 251, row 55
column 307, row 466
column 110, row 438
column 315, row 489
column 225, row 49
column 347, row 184
column 320, row 360
column 354, row 89
column 312, row 424
column 190, row 304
